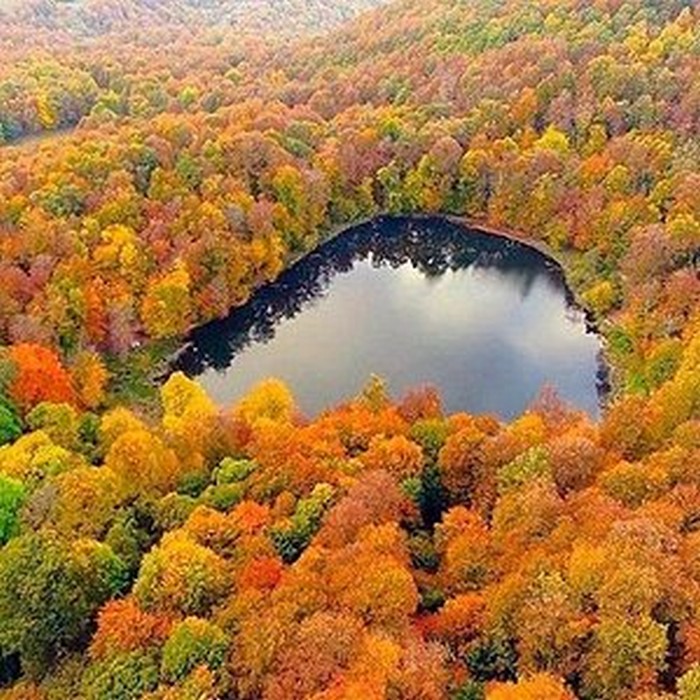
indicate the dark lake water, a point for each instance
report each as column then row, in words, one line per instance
column 486, row 320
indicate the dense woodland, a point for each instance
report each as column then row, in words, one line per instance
column 89, row 18
column 156, row 546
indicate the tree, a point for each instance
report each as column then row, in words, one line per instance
column 34, row 457
column 50, row 591
column 59, row 421
column 90, row 378
column 123, row 627
column 397, row 455
column 126, row 676
column 461, row 464
column 189, row 414
column 689, row 684
column 10, row 424
column 166, row 309
column 142, row 463
column 291, row 540
column 319, row 649
column 628, row 654
column 193, row 642
column 538, row 687
column 12, row 497
column 465, row 546
column 86, row 501
column 269, row 400
column 39, row 376
column 375, row 499
column 371, row 579
column 575, row 460
column 459, row 622
column 181, row 577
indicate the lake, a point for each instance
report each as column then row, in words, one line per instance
column 487, row 320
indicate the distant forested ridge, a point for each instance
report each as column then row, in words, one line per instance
column 87, row 18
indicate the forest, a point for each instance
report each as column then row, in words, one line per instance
column 157, row 546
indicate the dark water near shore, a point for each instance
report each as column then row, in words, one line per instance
column 486, row 320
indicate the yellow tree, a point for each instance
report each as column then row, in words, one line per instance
column 189, row 417
column 142, row 463
column 167, row 307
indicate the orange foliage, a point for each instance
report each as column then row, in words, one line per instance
column 458, row 622
column 39, row 376
column 123, row 627
column 398, row 455
column 539, row 687
column 263, row 573
column 250, row 516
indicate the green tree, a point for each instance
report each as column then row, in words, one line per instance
column 50, row 591
column 194, row 642
column 122, row 677
column 12, row 497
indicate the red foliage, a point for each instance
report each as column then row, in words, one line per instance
column 39, row 376
column 263, row 573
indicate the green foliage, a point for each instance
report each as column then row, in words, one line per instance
column 131, row 375
column 423, row 553
column 192, row 643
column 492, row 659
column 10, row 424
column 12, row 497
column 130, row 536
column 223, row 497
column 122, row 677
column 193, row 485
column 412, row 487
column 375, row 394
column 232, row 470
column 88, row 436
column 432, row 497
column 49, row 593
column 431, row 599
column 172, row 511
column 470, row 691
column 525, row 468
column 290, row 541
column 182, row 577
column 431, row 435
column 623, row 647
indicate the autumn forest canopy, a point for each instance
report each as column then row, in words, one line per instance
column 161, row 160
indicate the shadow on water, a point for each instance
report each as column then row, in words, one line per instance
column 433, row 248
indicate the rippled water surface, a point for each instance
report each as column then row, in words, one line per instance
column 484, row 319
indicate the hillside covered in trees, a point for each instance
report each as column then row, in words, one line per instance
column 89, row 18
column 154, row 545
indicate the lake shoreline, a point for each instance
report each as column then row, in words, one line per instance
column 605, row 378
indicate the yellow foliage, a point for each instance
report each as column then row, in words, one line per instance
column 269, row 400
column 117, row 422
column 167, row 308
column 142, row 463
column 34, row 456
column 189, row 414
column 86, row 501
column 90, row 378
column 46, row 112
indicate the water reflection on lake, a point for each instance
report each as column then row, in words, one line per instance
column 486, row 320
